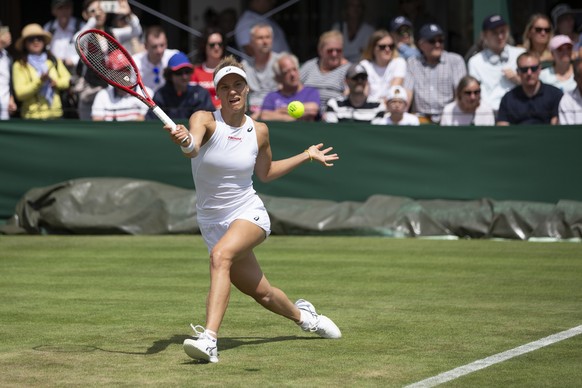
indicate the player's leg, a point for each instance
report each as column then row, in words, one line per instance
column 236, row 244
column 247, row 276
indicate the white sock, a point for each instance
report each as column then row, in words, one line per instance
column 305, row 319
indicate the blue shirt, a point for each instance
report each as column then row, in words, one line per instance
column 182, row 106
column 517, row 108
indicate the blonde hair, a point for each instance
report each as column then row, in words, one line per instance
column 375, row 38
column 329, row 35
column 528, row 27
column 229, row 60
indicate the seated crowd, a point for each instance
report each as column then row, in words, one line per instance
column 382, row 76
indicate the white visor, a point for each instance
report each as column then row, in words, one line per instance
column 229, row 70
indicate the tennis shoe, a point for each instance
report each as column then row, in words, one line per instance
column 202, row 346
column 318, row 324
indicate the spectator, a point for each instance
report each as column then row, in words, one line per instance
column 7, row 104
column 89, row 83
column 259, row 68
column 533, row 102
column 493, row 66
column 401, row 30
column 38, row 76
column 570, row 108
column 152, row 62
column 565, row 24
column 468, row 109
column 286, row 70
column 130, row 25
column 113, row 104
column 536, row 37
column 177, row 97
column 383, row 65
column 561, row 73
column 253, row 15
column 414, row 11
column 397, row 114
column 432, row 79
column 354, row 29
column 63, row 28
column 210, row 52
column 327, row 71
column 356, row 106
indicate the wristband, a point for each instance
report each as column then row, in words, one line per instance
column 190, row 147
column 309, row 154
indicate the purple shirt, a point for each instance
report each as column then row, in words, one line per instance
column 275, row 100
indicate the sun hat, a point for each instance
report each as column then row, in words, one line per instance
column 397, row 92
column 33, row 29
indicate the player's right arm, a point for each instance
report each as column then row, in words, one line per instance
column 202, row 126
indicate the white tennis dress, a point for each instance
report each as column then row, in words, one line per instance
column 222, row 173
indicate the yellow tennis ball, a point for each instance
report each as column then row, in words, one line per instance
column 295, row 109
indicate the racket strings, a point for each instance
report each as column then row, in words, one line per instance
column 108, row 59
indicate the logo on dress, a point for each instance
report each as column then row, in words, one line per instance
column 249, row 129
column 256, row 218
column 235, row 138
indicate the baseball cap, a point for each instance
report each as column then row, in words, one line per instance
column 179, row 61
column 398, row 22
column 560, row 10
column 60, row 3
column 429, row 31
column 356, row 69
column 397, row 92
column 491, row 22
column 560, row 40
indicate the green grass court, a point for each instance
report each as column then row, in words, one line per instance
column 113, row 311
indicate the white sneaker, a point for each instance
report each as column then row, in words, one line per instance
column 202, row 347
column 319, row 324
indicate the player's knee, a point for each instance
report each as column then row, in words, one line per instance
column 220, row 259
column 264, row 298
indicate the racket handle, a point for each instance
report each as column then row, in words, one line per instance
column 164, row 117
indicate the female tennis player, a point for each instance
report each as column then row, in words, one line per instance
column 225, row 147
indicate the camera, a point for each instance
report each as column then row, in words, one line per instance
column 110, row 6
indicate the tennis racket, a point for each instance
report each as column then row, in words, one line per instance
column 110, row 60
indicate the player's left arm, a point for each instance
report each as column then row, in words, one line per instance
column 267, row 169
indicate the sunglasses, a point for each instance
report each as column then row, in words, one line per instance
column 471, row 92
column 34, row 38
column 435, row 41
column 156, row 71
column 360, row 77
column 214, row 44
column 539, row 30
column 332, row 50
column 385, row 46
column 524, row 69
column 183, row 72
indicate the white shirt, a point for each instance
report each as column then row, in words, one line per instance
column 454, row 116
column 152, row 74
column 223, row 170
column 380, row 78
column 570, row 108
column 407, row 119
column 62, row 44
column 5, row 72
column 113, row 107
column 548, row 76
column 488, row 67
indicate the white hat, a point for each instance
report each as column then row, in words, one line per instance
column 397, row 92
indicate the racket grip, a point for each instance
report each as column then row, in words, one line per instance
column 164, row 117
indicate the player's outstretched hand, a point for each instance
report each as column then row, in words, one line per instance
column 180, row 135
column 322, row 155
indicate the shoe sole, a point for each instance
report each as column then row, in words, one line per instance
column 193, row 352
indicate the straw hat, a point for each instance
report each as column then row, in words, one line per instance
column 33, row 29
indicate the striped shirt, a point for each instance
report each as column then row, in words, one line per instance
column 330, row 84
column 434, row 86
column 342, row 110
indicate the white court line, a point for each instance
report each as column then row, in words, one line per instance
column 496, row 358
